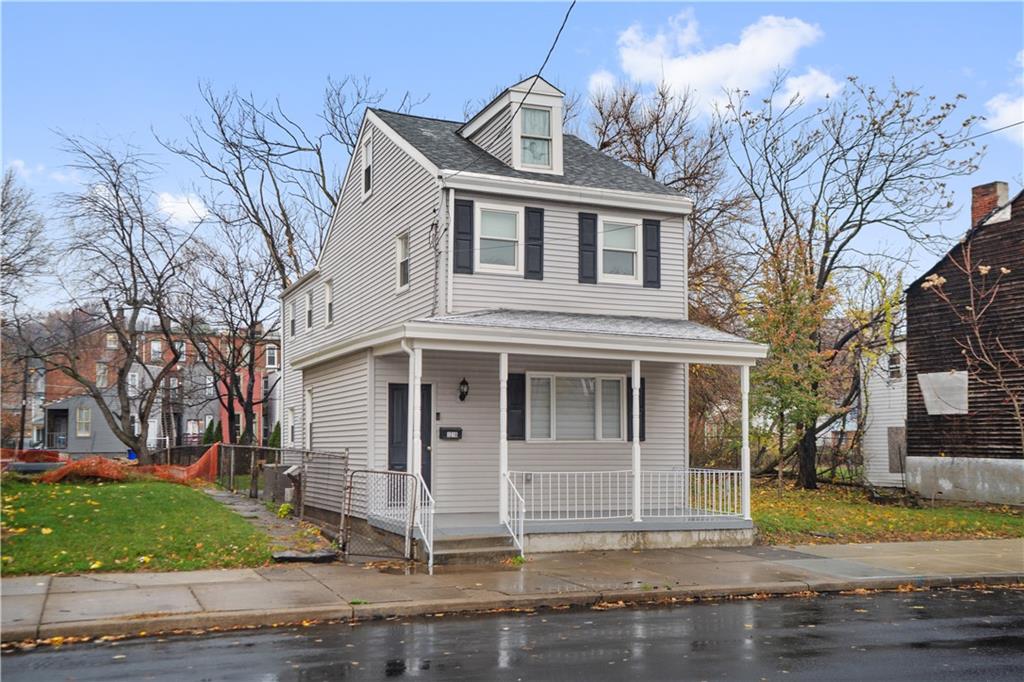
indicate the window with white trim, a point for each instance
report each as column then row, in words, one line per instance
column 368, row 165
column 535, row 137
column 328, row 301
column 895, row 365
column 575, row 407
column 211, row 390
column 83, row 422
column 290, row 424
column 402, row 261
column 156, row 350
column 112, row 341
column 133, row 382
column 101, row 375
column 619, row 250
column 309, row 310
column 271, row 353
column 182, row 350
column 499, row 239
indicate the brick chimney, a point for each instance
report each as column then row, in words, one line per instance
column 986, row 198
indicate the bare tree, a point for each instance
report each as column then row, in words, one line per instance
column 838, row 179
column 26, row 251
column 123, row 258
column 267, row 172
column 227, row 303
column 975, row 303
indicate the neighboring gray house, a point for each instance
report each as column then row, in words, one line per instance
column 501, row 310
column 75, row 424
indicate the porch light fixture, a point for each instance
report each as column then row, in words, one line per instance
column 463, row 389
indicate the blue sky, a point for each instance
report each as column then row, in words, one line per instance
column 121, row 70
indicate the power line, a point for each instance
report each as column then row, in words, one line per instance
column 994, row 130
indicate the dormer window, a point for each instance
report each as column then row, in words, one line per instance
column 536, row 137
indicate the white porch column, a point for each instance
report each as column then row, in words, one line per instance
column 502, row 436
column 416, row 413
column 636, row 440
column 745, row 440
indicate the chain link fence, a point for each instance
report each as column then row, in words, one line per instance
column 379, row 515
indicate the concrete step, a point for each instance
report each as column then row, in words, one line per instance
column 472, row 542
column 473, row 556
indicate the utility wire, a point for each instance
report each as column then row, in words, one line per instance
column 537, row 76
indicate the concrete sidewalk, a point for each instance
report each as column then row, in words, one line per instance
column 130, row 603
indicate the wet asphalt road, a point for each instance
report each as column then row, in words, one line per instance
column 949, row 635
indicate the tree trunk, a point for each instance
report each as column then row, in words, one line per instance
column 807, row 474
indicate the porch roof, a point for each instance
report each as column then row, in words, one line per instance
column 618, row 325
column 538, row 332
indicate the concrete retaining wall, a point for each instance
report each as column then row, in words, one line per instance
column 996, row 481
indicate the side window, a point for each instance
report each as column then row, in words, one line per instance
column 895, row 365
column 294, row 312
column 368, row 165
column 309, row 310
column 402, row 261
column 329, row 301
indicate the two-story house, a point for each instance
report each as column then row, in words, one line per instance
column 501, row 310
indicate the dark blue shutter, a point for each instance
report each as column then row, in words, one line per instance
column 652, row 254
column 534, row 244
column 516, row 392
column 588, row 248
column 629, row 409
column 463, row 257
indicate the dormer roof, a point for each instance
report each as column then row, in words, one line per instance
column 533, row 85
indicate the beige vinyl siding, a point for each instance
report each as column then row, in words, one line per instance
column 885, row 406
column 339, row 426
column 560, row 290
column 496, row 136
column 465, row 473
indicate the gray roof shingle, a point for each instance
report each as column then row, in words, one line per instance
column 620, row 325
column 583, row 166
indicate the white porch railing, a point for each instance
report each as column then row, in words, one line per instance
column 600, row 495
column 574, row 495
column 691, row 493
column 515, row 523
column 425, row 520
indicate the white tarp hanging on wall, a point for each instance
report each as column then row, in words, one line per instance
column 944, row 392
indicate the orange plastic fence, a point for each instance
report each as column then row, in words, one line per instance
column 117, row 470
column 31, row 455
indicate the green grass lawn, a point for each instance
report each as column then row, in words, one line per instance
column 837, row 514
column 111, row 526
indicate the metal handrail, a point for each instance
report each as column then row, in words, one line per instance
column 515, row 523
column 424, row 519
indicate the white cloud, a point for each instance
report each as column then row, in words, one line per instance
column 182, row 209
column 1005, row 109
column 811, row 85
column 673, row 55
column 25, row 170
column 1008, row 108
column 600, row 81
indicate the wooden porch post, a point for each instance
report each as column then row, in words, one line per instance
column 502, row 436
column 636, row 440
column 415, row 413
column 745, row 441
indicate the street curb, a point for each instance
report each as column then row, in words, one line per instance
column 170, row 623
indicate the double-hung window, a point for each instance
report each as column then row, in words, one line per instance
column 101, row 375
column 575, row 407
column 133, row 382
column 182, row 351
column 329, row 301
column 83, row 422
column 499, row 239
column 211, row 389
column 402, row 260
column 368, row 166
column 619, row 250
column 112, row 341
column 271, row 353
column 309, row 310
column 895, row 365
column 535, row 137
column 156, row 350
column 294, row 309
